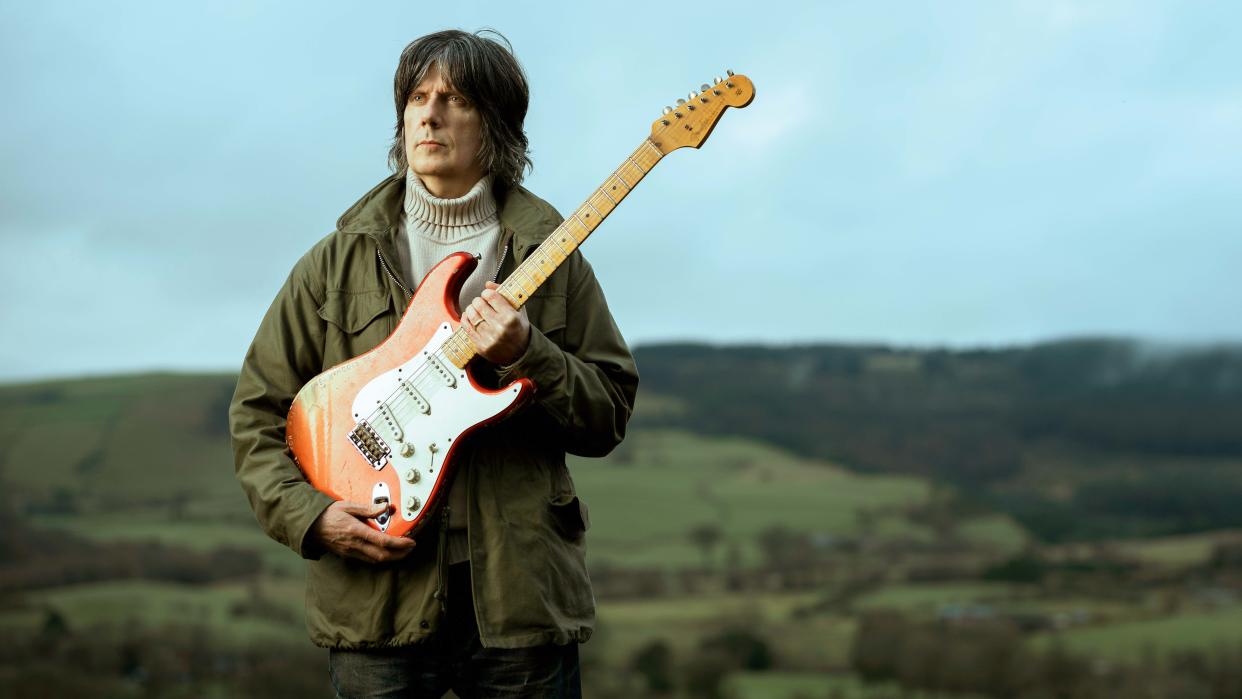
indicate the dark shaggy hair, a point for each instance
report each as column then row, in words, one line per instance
column 484, row 70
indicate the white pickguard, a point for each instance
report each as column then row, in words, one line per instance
column 420, row 427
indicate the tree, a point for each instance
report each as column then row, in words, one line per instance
column 706, row 537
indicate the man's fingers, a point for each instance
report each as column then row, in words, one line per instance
column 367, row 551
column 483, row 308
column 366, row 510
column 496, row 300
column 384, row 541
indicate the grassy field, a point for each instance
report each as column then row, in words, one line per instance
column 928, row 598
column 815, row 685
column 1178, row 551
column 120, row 444
column 799, row 640
column 642, row 510
column 1136, row 640
column 225, row 610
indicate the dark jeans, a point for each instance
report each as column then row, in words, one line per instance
column 454, row 659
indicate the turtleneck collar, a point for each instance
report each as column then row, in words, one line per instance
column 449, row 219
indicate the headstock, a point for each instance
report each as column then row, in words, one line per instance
column 692, row 120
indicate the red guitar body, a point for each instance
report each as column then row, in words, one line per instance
column 384, row 427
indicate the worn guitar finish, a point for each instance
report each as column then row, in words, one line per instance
column 384, row 426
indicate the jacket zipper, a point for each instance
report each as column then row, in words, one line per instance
column 393, row 277
column 500, row 263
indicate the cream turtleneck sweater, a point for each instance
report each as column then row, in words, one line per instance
column 432, row 228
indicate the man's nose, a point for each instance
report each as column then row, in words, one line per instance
column 433, row 113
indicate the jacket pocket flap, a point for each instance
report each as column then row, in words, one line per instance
column 572, row 517
column 353, row 311
column 547, row 311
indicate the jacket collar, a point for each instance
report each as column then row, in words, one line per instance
column 378, row 213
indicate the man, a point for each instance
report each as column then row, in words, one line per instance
column 494, row 601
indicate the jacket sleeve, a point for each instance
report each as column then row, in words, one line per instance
column 283, row 356
column 588, row 386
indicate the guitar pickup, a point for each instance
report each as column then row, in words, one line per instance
column 394, row 426
column 442, row 371
column 423, row 406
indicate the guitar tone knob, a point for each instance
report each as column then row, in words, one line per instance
column 412, row 503
column 412, row 475
column 407, row 450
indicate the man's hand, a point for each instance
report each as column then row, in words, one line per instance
column 499, row 332
column 341, row 530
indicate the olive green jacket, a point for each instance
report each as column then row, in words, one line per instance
column 526, row 524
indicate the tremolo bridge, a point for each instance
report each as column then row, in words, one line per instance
column 368, row 443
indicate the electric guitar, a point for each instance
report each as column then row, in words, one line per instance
column 383, row 427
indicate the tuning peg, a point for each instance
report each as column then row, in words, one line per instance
column 716, row 80
column 692, row 95
column 668, row 110
column 704, row 87
column 729, row 72
column 680, row 102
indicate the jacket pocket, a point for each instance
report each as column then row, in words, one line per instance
column 547, row 312
column 352, row 311
column 571, row 517
column 355, row 323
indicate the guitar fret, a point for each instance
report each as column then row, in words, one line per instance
column 614, row 201
column 624, row 189
column 625, row 184
column 584, row 225
column 557, row 239
column 630, row 162
column 532, row 282
column 586, row 215
column 535, row 272
column 651, row 146
column 578, row 237
column 599, row 204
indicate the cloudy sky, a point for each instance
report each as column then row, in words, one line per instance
column 917, row 173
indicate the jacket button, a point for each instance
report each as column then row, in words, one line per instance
column 424, row 624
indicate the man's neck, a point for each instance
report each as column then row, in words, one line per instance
column 450, row 188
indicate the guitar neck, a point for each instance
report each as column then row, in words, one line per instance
column 553, row 251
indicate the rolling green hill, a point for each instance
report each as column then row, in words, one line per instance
column 1083, row 439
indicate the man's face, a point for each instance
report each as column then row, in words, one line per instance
column 443, row 134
